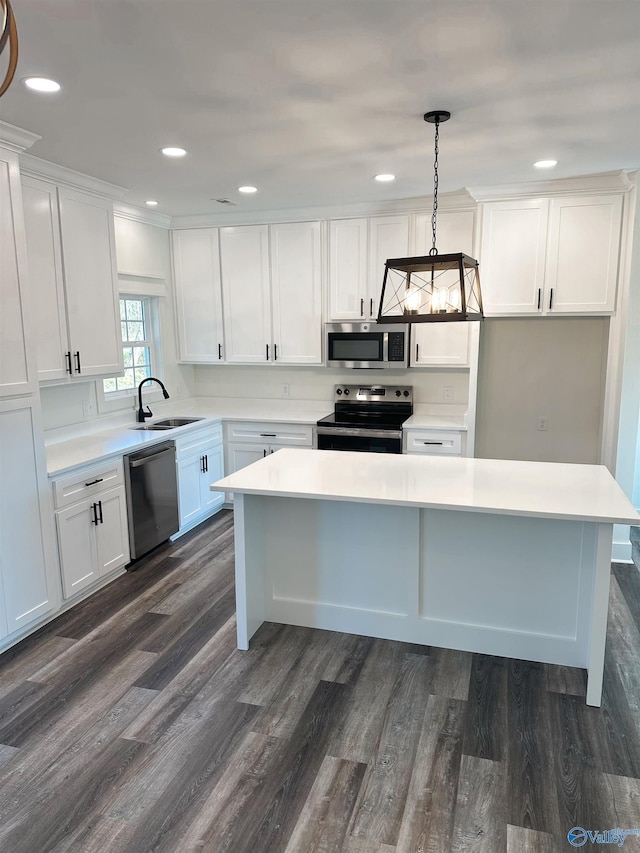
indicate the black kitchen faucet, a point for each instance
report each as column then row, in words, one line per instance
column 142, row 415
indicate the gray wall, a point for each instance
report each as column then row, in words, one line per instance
column 541, row 367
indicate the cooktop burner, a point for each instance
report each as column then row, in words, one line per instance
column 376, row 407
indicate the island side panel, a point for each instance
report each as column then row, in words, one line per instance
column 599, row 612
column 250, row 566
column 342, row 566
column 506, row 585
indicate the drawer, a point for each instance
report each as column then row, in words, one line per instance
column 289, row 434
column 87, row 482
column 190, row 444
column 430, row 441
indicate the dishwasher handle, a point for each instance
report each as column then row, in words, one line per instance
column 135, row 463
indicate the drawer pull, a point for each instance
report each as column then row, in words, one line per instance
column 433, row 442
column 93, row 482
column 268, row 435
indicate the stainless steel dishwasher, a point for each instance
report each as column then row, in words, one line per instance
column 152, row 496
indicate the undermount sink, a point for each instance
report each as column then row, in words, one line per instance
column 167, row 423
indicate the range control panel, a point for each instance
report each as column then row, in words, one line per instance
column 374, row 393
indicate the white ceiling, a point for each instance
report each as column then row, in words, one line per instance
column 308, row 99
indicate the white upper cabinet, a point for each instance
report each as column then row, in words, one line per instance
column 198, row 294
column 358, row 251
column 347, row 269
column 296, row 286
column 388, row 238
column 42, row 226
column 71, row 250
column 244, row 258
column 551, row 256
column 17, row 366
column 442, row 344
column 271, row 286
column 512, row 256
column 582, row 254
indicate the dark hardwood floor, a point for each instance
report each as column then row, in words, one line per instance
column 132, row 723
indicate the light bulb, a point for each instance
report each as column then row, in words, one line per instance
column 412, row 300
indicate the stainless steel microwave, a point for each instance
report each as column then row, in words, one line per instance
column 366, row 345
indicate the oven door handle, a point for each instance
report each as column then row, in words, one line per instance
column 361, row 433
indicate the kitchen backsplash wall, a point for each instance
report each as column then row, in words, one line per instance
column 317, row 383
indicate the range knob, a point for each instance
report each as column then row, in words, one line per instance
column 406, row 393
column 346, row 391
column 398, row 393
column 338, row 390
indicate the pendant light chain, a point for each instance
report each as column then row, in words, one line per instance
column 434, row 215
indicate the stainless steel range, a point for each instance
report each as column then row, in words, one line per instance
column 366, row 418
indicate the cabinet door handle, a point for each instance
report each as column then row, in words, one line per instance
column 267, row 346
column 362, row 307
column 268, row 435
column 550, row 299
column 264, row 452
column 94, row 520
column 100, row 509
column 202, row 464
column 77, row 358
column 275, row 352
column 371, row 307
column 69, row 368
column 93, row 482
column 539, row 297
column 417, row 351
column 206, row 463
column 220, row 351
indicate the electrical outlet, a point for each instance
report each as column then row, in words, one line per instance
column 87, row 408
column 284, row 390
column 543, row 424
column 447, row 392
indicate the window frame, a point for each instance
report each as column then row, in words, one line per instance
column 126, row 398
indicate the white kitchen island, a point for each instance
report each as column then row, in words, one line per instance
column 501, row 557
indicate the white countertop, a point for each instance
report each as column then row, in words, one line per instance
column 64, row 454
column 505, row 487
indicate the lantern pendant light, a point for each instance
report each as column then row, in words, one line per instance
column 432, row 288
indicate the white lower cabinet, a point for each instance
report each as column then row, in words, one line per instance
column 434, row 442
column 26, row 589
column 91, row 519
column 200, row 461
column 250, row 442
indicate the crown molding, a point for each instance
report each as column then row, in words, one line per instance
column 621, row 181
column 16, row 138
column 459, row 200
column 139, row 214
column 37, row 168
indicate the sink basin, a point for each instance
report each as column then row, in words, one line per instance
column 167, row 423
column 151, row 427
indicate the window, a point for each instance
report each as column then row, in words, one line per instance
column 136, row 325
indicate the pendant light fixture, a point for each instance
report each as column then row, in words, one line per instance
column 432, row 288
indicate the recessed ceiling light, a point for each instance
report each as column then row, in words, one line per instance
column 247, row 189
column 173, row 152
column 41, row 84
column 152, row 203
column 385, row 178
column 545, row 164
